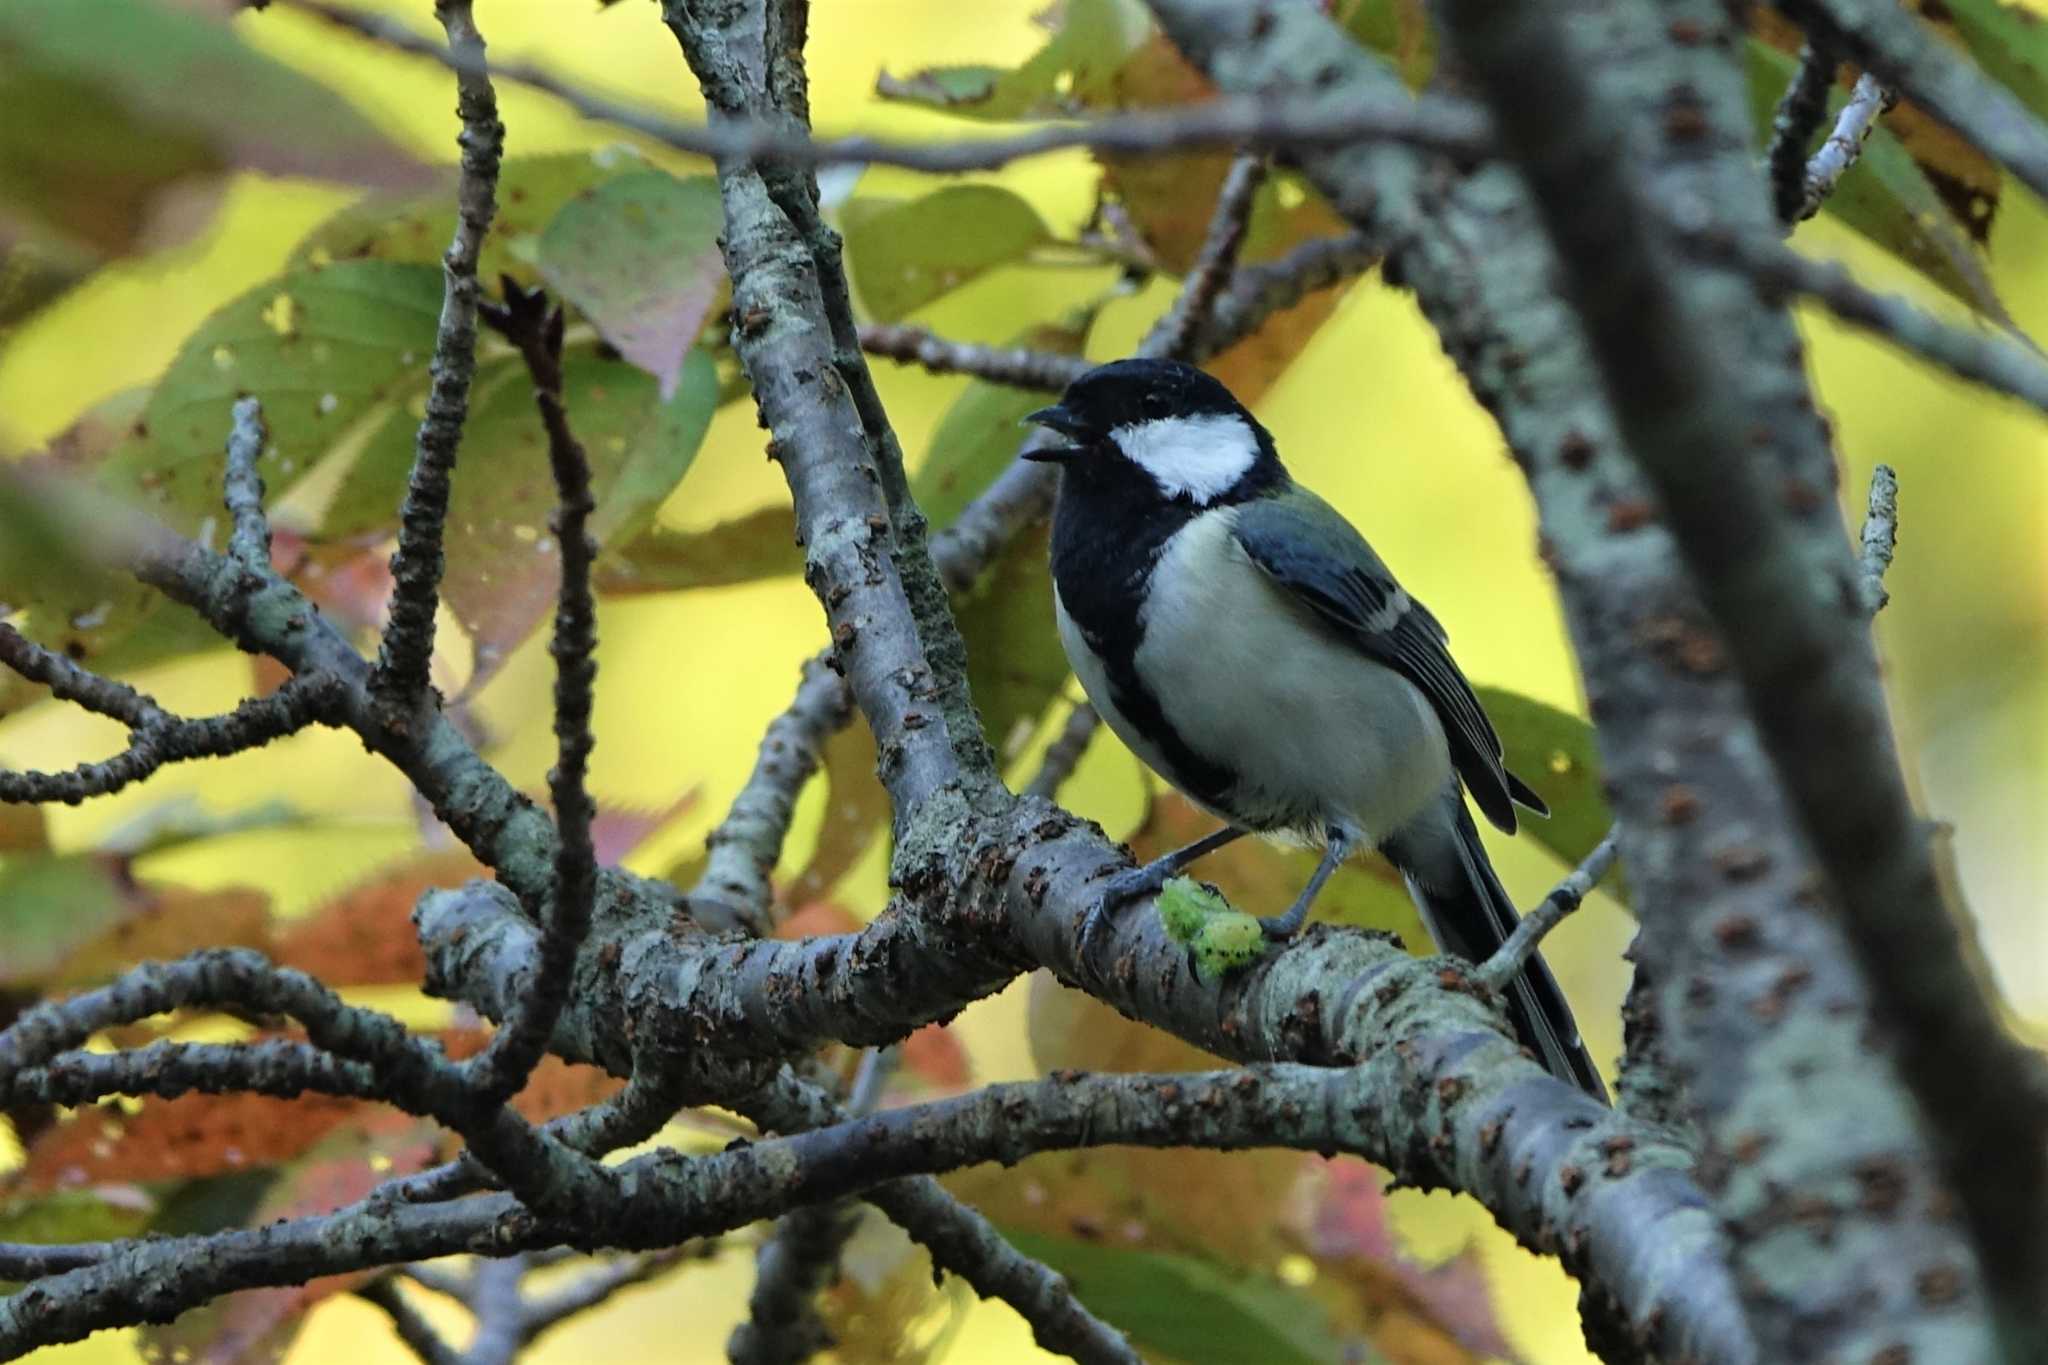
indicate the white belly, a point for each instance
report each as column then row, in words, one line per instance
column 1315, row 732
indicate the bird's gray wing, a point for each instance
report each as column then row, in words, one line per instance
column 1306, row 548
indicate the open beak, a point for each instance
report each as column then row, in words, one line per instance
column 1055, row 418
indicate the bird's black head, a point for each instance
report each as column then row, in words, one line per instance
column 1158, row 431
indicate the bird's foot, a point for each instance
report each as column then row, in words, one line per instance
column 1283, row 927
column 1133, row 883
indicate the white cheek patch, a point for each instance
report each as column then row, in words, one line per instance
column 1193, row 457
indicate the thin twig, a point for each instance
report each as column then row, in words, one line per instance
column 1018, row 366
column 1986, row 358
column 1880, row 536
column 1173, row 336
column 421, row 1337
column 302, row 701
column 1844, row 144
column 1439, row 123
column 1064, row 753
column 72, row 682
column 501, row 1069
column 734, row 892
column 249, row 542
column 1800, row 111
column 601, row 1284
column 1513, row 955
column 407, row 649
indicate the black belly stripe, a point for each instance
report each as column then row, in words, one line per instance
column 1100, row 570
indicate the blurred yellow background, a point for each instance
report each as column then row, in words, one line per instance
column 1372, row 415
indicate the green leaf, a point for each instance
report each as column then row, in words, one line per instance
column 503, row 564
column 1554, row 751
column 1885, row 197
column 1187, row 1308
column 1078, row 67
column 415, row 228
column 2009, row 41
column 905, row 253
column 1398, row 30
column 67, row 1216
column 639, row 257
column 114, row 104
column 1015, row 666
column 53, row 905
column 758, row 545
column 979, row 435
column 330, row 352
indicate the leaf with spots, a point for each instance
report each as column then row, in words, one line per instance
column 1555, row 752
column 117, row 137
column 416, row 228
column 503, row 561
column 743, row 550
column 330, row 352
column 639, row 257
column 905, row 253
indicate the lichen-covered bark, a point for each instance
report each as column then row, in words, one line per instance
column 1760, row 1010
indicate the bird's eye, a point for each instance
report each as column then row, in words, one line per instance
column 1155, row 405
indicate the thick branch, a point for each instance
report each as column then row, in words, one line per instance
column 1784, row 590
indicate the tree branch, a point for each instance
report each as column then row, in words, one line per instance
column 1894, row 45
column 1880, row 536
column 502, row 1068
column 1754, row 1006
column 1449, row 125
column 1512, row 956
column 1782, row 588
column 400, row 677
column 1018, row 366
column 1800, row 111
column 1844, row 144
column 1995, row 361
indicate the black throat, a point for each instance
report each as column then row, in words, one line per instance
column 1105, row 543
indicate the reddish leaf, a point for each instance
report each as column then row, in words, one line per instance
column 1415, row 1314
column 934, row 1054
column 364, row 936
column 180, row 1139
column 618, row 830
column 817, row 919
column 258, row 1325
column 555, row 1088
column 170, row 922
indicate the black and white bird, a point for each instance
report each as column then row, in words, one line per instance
column 1242, row 638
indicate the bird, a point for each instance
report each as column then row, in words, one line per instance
column 1244, row 640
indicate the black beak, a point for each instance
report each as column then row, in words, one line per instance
column 1057, row 419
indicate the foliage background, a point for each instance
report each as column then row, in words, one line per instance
column 1372, row 415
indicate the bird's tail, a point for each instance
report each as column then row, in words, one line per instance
column 1469, row 914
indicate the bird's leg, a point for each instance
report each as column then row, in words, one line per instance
column 1336, row 848
column 1135, row 882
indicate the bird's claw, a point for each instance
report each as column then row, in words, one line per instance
column 1133, row 883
